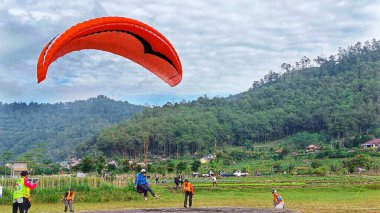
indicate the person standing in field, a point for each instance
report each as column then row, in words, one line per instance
column 278, row 201
column 68, row 200
column 176, row 181
column 21, row 195
column 156, row 176
column 142, row 184
column 188, row 190
column 214, row 183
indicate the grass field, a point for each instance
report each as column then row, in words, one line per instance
column 305, row 194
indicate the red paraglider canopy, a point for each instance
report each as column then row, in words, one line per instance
column 122, row 36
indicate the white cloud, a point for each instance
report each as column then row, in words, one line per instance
column 223, row 46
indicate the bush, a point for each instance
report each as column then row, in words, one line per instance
column 289, row 167
column 315, row 164
column 227, row 162
column 324, row 153
column 340, row 153
column 238, row 155
column 195, row 165
column 304, row 171
column 170, row 167
column 321, row 171
column 360, row 160
column 374, row 163
column 181, row 166
column 336, row 167
column 277, row 167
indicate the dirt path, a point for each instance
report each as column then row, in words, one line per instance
column 194, row 210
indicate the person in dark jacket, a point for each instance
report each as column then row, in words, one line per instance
column 176, row 181
column 141, row 184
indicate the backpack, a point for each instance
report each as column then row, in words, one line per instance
column 279, row 198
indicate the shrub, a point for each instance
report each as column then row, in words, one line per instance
column 238, row 155
column 360, row 160
column 315, row 164
column 277, row 167
column 181, row 166
column 374, row 163
column 336, row 166
column 304, row 171
column 170, row 167
column 195, row 165
column 321, row 171
column 227, row 162
column 289, row 167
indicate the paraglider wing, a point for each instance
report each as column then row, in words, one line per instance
column 122, row 36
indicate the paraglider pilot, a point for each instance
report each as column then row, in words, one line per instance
column 142, row 185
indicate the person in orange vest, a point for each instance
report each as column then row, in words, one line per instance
column 278, row 201
column 188, row 190
column 68, row 200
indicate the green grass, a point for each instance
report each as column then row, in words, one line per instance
column 307, row 194
column 305, row 200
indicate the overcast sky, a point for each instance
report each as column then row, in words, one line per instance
column 223, row 45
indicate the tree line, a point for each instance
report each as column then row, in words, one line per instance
column 336, row 98
column 57, row 127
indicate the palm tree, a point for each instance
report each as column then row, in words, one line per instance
column 216, row 166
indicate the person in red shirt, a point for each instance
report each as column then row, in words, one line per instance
column 21, row 194
column 188, row 190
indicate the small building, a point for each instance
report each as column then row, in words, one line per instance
column 17, row 168
column 375, row 143
column 65, row 165
column 73, row 162
column 312, row 148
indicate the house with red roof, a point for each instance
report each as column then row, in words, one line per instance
column 375, row 143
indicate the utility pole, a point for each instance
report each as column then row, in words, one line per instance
column 146, row 141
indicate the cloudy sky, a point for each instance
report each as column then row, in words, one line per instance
column 223, row 47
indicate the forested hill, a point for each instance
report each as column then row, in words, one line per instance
column 57, row 128
column 337, row 97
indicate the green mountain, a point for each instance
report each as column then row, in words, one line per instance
column 55, row 129
column 338, row 98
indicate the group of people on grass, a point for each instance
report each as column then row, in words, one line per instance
column 22, row 199
column 142, row 186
